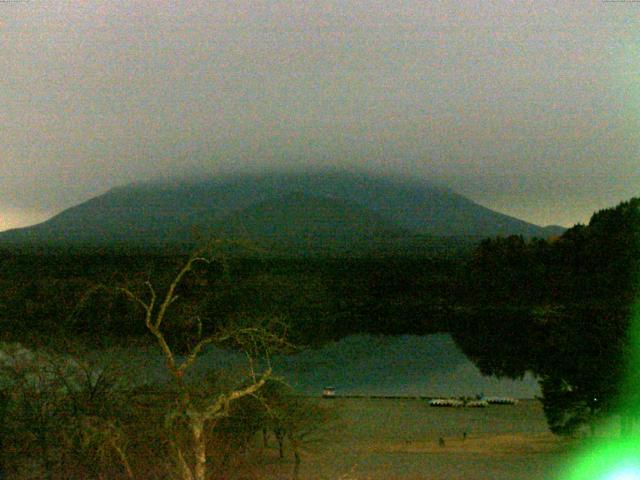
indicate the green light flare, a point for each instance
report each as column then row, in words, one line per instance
column 629, row 473
column 612, row 460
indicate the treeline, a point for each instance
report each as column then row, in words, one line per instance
column 62, row 294
column 562, row 309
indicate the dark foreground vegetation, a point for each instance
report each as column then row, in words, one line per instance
column 560, row 308
column 63, row 419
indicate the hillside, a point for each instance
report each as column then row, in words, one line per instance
column 305, row 212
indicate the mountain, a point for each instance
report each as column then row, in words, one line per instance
column 299, row 212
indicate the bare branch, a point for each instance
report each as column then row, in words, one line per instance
column 147, row 307
column 222, row 403
column 185, row 470
column 199, row 324
column 166, row 350
column 194, row 353
column 153, row 294
column 170, row 296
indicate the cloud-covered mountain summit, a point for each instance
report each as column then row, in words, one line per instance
column 330, row 211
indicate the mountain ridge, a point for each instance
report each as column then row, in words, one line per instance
column 311, row 209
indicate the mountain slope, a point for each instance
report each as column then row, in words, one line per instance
column 321, row 208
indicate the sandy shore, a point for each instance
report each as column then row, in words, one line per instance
column 387, row 439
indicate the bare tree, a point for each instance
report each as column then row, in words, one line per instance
column 201, row 414
column 297, row 419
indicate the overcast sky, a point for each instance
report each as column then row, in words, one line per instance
column 530, row 108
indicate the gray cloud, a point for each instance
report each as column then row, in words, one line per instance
column 531, row 108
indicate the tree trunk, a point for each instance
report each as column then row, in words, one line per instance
column 280, row 438
column 123, row 459
column 200, row 450
column 185, row 470
column 296, row 458
column 47, row 464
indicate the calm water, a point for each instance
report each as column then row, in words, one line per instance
column 429, row 365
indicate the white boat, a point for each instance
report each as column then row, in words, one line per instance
column 477, row 404
column 328, row 392
column 446, row 402
column 501, row 400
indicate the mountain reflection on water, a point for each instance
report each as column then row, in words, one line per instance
column 410, row 365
